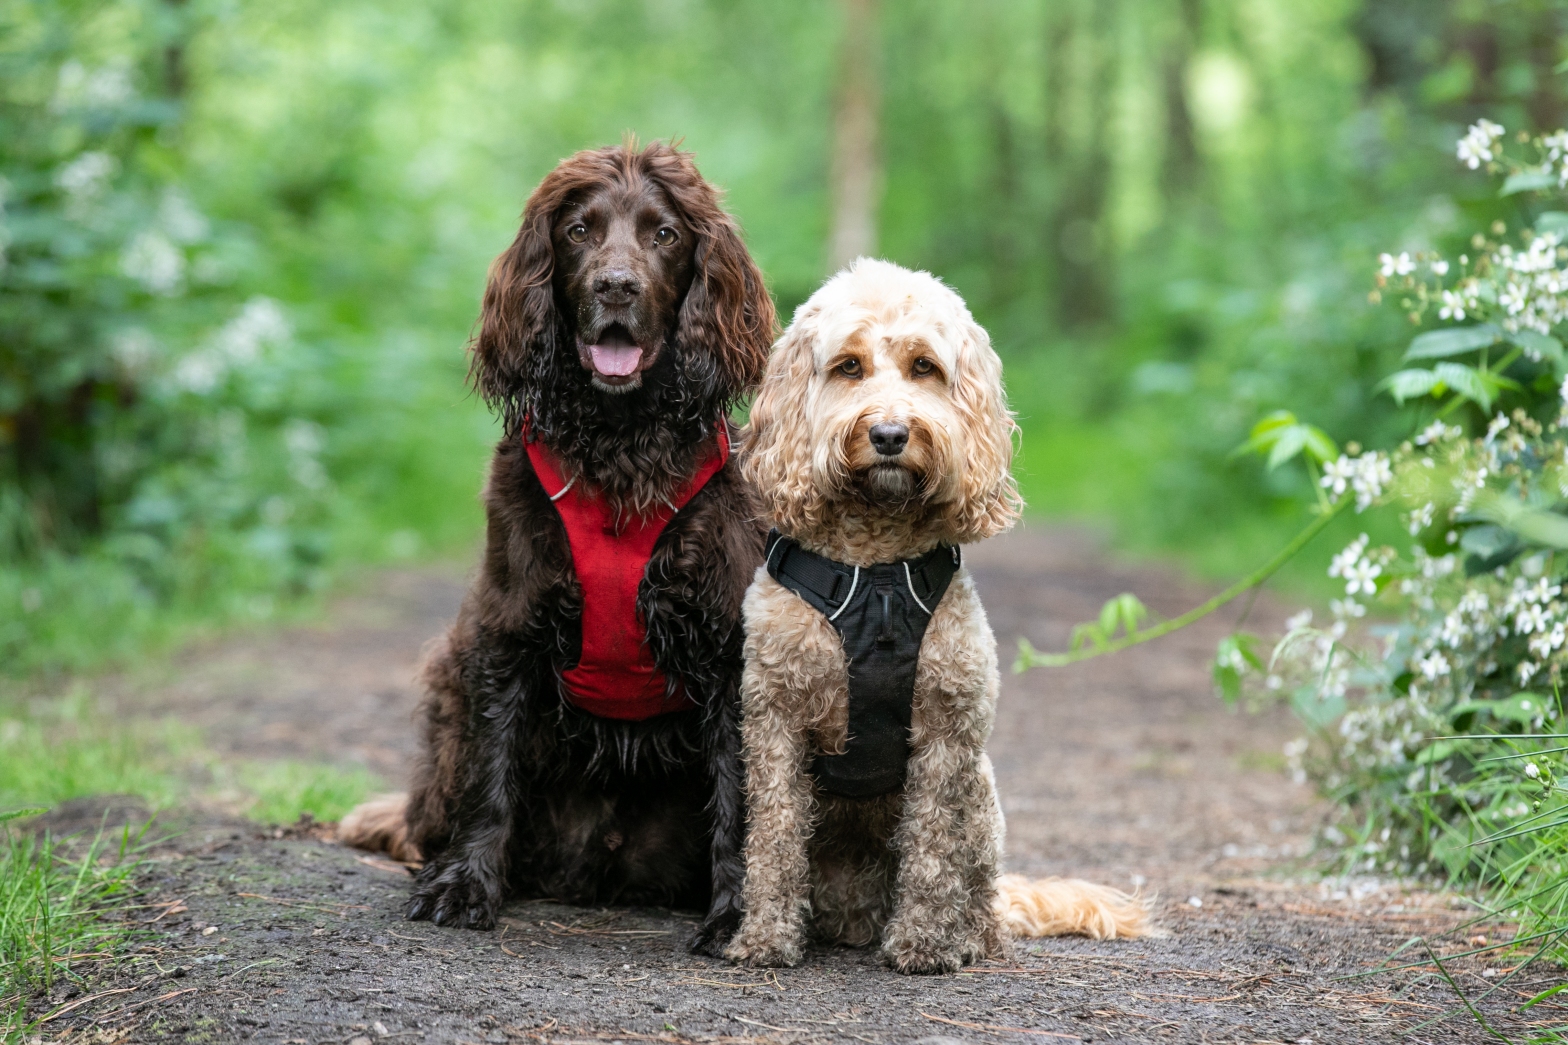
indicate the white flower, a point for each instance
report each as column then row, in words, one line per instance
column 1532, row 770
column 1362, row 577
column 1337, row 474
column 180, row 219
column 1438, row 430
column 84, row 178
column 1371, row 474
column 102, row 88
column 1421, row 518
column 1433, row 666
column 1298, row 620
column 1341, row 563
column 155, row 263
column 1526, row 672
column 1440, row 267
column 1453, row 306
column 1496, row 425
column 261, row 322
column 1513, row 298
column 1344, row 608
column 1477, row 146
column 1532, row 618
column 1389, row 265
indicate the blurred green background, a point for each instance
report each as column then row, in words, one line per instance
column 243, row 247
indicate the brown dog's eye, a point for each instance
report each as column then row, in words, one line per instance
column 666, row 236
column 577, row 233
column 922, row 367
column 849, row 368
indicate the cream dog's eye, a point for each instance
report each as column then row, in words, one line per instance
column 666, row 236
column 849, row 368
column 577, row 233
column 922, row 367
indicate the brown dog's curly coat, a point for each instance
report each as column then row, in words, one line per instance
column 916, row 870
column 619, row 328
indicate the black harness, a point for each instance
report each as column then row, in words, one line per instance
column 880, row 613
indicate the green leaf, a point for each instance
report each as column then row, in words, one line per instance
column 1509, row 513
column 1466, row 381
column 1240, row 646
column 1522, row 708
column 17, row 814
column 1552, row 221
column 1438, row 751
column 1124, row 612
column 1291, row 442
column 1453, row 341
column 1088, row 634
column 1528, row 181
column 1543, row 345
column 1282, row 437
column 1319, row 444
column 1408, row 384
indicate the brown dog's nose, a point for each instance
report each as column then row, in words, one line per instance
column 889, row 438
column 617, row 285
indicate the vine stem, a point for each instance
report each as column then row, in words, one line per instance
column 1029, row 657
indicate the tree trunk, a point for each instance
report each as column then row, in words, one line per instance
column 856, row 170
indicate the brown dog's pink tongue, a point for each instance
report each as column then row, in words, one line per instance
column 615, row 360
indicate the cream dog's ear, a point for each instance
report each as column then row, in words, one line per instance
column 777, row 440
column 988, row 501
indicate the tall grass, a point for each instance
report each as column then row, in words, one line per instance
column 51, row 904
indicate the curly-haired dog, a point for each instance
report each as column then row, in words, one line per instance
column 581, row 729
column 879, row 443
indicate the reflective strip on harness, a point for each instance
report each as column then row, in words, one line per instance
column 880, row 613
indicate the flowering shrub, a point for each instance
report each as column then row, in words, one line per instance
column 1438, row 731
column 160, row 423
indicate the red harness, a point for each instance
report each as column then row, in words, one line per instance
column 615, row 676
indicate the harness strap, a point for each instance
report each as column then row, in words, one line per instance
column 880, row 613
column 829, row 585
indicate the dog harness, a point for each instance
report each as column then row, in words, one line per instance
column 615, row 676
column 880, row 613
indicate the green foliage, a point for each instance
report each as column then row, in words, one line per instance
column 285, row 790
column 51, row 904
column 66, row 748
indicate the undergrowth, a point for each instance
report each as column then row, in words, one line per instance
column 51, row 913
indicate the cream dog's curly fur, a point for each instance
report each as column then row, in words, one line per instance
column 916, row 870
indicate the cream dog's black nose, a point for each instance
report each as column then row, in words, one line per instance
column 889, row 438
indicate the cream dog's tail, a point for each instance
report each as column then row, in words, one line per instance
column 1068, row 907
column 381, row 826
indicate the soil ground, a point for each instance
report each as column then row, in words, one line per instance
column 1125, row 770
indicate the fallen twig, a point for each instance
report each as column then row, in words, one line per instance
column 994, row 1028
column 79, row 1002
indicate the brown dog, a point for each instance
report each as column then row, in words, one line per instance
column 581, row 727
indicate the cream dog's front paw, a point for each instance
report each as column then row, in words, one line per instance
column 918, row 954
column 763, row 947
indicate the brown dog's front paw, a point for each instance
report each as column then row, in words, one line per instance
column 762, row 950
column 453, row 896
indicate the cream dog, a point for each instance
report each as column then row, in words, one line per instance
column 881, row 442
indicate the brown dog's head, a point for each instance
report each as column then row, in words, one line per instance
column 885, row 398
column 627, row 302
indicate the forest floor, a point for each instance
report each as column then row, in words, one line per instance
column 1126, row 770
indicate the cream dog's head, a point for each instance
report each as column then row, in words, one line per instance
column 884, row 398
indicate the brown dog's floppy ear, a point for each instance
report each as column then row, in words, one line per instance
column 728, row 310
column 776, row 454
column 727, row 315
column 518, row 322
column 988, row 494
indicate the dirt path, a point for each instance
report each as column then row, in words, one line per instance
column 1127, row 771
